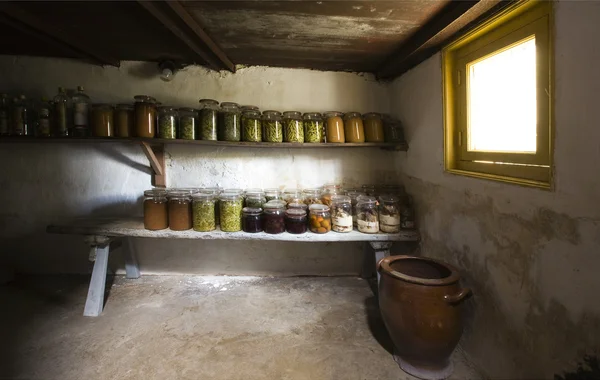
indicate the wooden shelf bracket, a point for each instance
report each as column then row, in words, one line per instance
column 156, row 157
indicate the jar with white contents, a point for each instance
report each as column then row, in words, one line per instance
column 367, row 218
column 341, row 213
column 389, row 214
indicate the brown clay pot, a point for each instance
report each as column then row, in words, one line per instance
column 420, row 302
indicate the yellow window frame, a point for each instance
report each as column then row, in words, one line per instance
column 516, row 23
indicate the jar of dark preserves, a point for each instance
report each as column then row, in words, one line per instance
column 252, row 219
column 274, row 218
column 295, row 221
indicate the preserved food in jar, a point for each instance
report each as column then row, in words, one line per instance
column 230, row 209
column 354, row 129
column 229, row 122
column 367, row 218
column 251, row 126
column 293, row 128
column 180, row 210
column 187, row 124
column 43, row 122
column 156, row 215
column 319, row 219
column 392, row 129
column 313, row 128
column 271, row 194
column 274, row 217
column 389, row 214
column 243, row 110
column 295, row 221
column 334, row 132
column 354, row 196
column 252, row 220
column 123, row 120
column 300, row 206
column 209, row 110
column 407, row 214
column 167, row 122
column 20, row 114
column 145, row 116
column 255, row 200
column 341, row 213
column 215, row 192
column 329, row 191
column 312, row 196
column 81, row 103
column 102, row 120
column 373, row 126
column 203, row 212
column 61, row 111
column 272, row 127
column 292, row 196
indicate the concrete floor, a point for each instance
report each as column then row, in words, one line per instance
column 190, row 327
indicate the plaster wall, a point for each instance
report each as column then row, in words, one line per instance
column 45, row 183
column 531, row 256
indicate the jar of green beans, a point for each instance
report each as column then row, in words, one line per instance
column 251, row 126
column 167, row 123
column 214, row 192
column 272, row 127
column 229, row 122
column 243, row 109
column 203, row 212
column 293, row 129
column 313, row 128
column 209, row 110
column 187, row 124
column 230, row 205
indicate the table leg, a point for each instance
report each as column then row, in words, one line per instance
column 382, row 249
column 132, row 270
column 95, row 298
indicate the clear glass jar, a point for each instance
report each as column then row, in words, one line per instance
column 19, row 116
column 102, row 120
column 62, row 105
column 319, row 219
column 313, row 128
column 145, row 116
column 252, row 219
column 215, row 192
column 295, row 221
column 209, row 110
column 389, row 214
column 156, row 215
column 341, row 213
column 329, row 191
column 255, row 200
column 272, row 127
column 251, row 126
column 4, row 107
column 392, row 129
column 203, row 212
column 407, row 213
column 367, row 218
column 187, row 124
column 81, row 108
column 354, row 129
column 271, row 194
column 334, row 130
column 244, row 109
column 230, row 207
column 167, row 122
column 369, row 190
column 229, row 122
column 373, row 126
column 293, row 127
column 354, row 196
column 292, row 196
column 180, row 210
column 299, row 206
column 312, row 196
column 123, row 120
column 274, row 217
column 44, row 128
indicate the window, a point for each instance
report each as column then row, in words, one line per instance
column 497, row 98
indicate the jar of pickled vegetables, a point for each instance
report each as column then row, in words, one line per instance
column 255, row 199
column 145, row 116
column 354, row 129
column 203, row 212
column 209, row 110
column 243, row 109
column 295, row 221
column 392, row 129
column 252, row 220
column 180, row 210
column 319, row 219
column 251, row 126
column 229, row 122
column 373, row 126
column 187, row 124
column 102, row 120
column 167, row 122
column 156, row 215
column 367, row 217
column 313, row 128
column 271, row 194
column 341, row 213
column 312, row 196
column 123, row 119
column 389, row 214
column 272, row 127
column 334, row 130
column 274, row 217
column 329, row 191
column 214, row 192
column 230, row 210
column 293, row 127
column 292, row 196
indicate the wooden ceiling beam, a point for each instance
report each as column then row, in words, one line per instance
column 49, row 32
column 446, row 16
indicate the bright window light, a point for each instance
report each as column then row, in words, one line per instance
column 501, row 100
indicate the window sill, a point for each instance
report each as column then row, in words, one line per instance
column 504, row 178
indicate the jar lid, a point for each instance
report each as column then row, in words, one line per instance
column 372, row 115
column 388, row 198
column 312, row 115
column 186, row 109
column 318, row 208
column 229, row 197
column 125, row 106
column 273, row 205
column 209, row 102
column 332, row 113
column 253, row 190
column 366, row 199
column 189, row 190
column 166, row 108
column 249, row 108
column 296, row 212
column 251, row 113
column 203, row 196
column 314, row 190
column 155, row 193
column 340, row 199
column 297, row 206
column 210, row 190
column 350, row 115
column 272, row 190
column 178, row 194
column 292, row 114
column 292, row 191
column 330, row 186
column 234, row 191
column 229, row 105
column 144, row 99
column 252, row 210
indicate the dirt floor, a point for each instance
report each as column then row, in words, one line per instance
column 193, row 327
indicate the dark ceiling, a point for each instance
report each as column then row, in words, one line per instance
column 382, row 37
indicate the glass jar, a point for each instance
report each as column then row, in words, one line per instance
column 4, row 107
column 295, row 221
column 271, row 194
column 299, row 206
column 252, row 220
column 209, row 110
column 292, row 196
column 187, row 124
column 329, row 191
column 145, row 116
column 373, row 126
column 243, row 109
column 229, row 122
column 167, row 122
column 354, row 196
column 341, row 213
column 251, row 126
column 19, row 115
column 272, row 127
column 123, row 120
column 180, row 210
column 203, row 212
column 319, row 219
column 312, row 196
column 255, row 200
column 392, row 129
column 293, row 128
column 367, row 217
column 62, row 105
column 156, row 215
column 81, row 107
column 334, row 130
column 369, row 190
column 354, row 129
column 389, row 214
column 215, row 192
column 102, row 120
column 230, row 209
column 407, row 213
column 313, row 128
column 44, row 127
column 274, row 217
